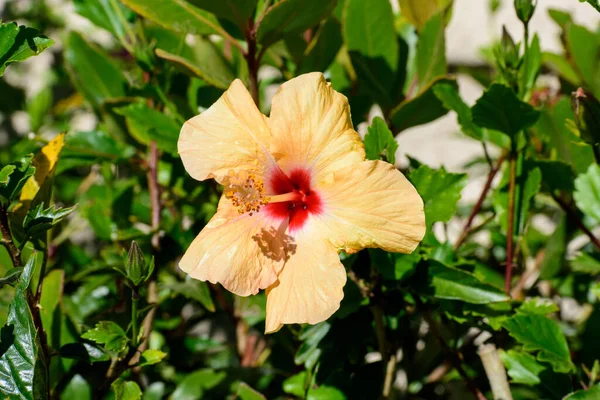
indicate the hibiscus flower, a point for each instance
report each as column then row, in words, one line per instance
column 297, row 191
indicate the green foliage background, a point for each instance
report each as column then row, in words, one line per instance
column 91, row 299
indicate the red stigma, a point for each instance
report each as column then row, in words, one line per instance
column 308, row 201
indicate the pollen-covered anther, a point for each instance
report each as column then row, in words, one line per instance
column 246, row 191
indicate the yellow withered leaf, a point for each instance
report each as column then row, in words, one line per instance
column 44, row 163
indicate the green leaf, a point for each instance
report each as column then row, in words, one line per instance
column 237, row 11
column 368, row 28
column 296, row 384
column 90, row 147
column 500, row 109
column 39, row 220
column 11, row 277
column 431, row 51
column 556, row 175
column 522, row 367
column 538, row 305
column 538, row 333
column 126, row 390
column 561, row 66
column 589, row 394
column 586, row 263
column 565, row 145
column 177, row 15
column 146, row 124
column 52, row 293
column 85, row 352
column 554, row 252
column 291, row 16
column 379, row 141
column 193, row 385
column 77, row 388
column 530, row 70
column 309, row 351
column 93, row 73
column 423, row 108
column 587, row 192
column 375, row 51
column 245, row 392
column 394, row 267
column 418, row 12
column 450, row 98
column 21, row 371
column 107, row 14
column 324, row 392
column 203, row 60
column 111, row 335
column 322, row 49
column 593, row 3
column 528, row 185
column 12, row 179
column 194, row 289
column 440, row 191
column 437, row 280
column 151, row 356
column 581, row 43
column 38, row 108
column 18, row 43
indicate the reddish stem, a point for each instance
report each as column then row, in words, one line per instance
column 486, row 188
column 511, row 221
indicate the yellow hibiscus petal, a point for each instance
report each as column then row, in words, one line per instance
column 371, row 204
column 311, row 126
column 243, row 253
column 309, row 287
column 231, row 134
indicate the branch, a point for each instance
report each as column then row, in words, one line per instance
column 7, row 240
column 572, row 214
column 253, row 60
column 452, row 357
column 152, row 297
column 495, row 371
column 486, row 188
column 388, row 355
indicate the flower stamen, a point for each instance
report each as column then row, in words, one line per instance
column 246, row 191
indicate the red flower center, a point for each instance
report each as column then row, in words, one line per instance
column 306, row 201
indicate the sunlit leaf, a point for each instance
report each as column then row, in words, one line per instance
column 380, row 141
column 440, row 191
column 540, row 334
column 18, row 43
column 587, row 192
column 437, row 280
column 109, row 334
column 126, row 390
